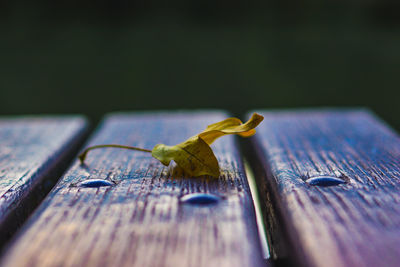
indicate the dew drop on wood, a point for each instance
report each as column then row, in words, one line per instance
column 325, row 181
column 200, row 199
column 95, row 183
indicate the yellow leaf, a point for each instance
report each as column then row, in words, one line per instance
column 231, row 126
column 194, row 156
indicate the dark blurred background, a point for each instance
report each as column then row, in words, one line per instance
column 93, row 57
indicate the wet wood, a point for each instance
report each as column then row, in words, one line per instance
column 34, row 152
column 137, row 217
column 355, row 223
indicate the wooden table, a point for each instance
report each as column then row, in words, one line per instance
column 322, row 185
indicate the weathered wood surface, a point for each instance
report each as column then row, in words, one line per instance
column 34, row 152
column 141, row 220
column 356, row 223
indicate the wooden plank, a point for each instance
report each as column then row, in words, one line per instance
column 34, row 152
column 355, row 223
column 143, row 220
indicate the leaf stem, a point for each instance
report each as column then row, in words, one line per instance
column 83, row 155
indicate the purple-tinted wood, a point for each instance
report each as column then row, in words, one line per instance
column 334, row 179
column 34, row 152
column 144, row 214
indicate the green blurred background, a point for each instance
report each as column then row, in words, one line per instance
column 94, row 57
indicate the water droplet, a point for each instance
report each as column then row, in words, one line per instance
column 95, row 183
column 200, row 199
column 325, row 181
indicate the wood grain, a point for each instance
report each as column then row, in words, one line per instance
column 34, row 152
column 141, row 221
column 356, row 223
